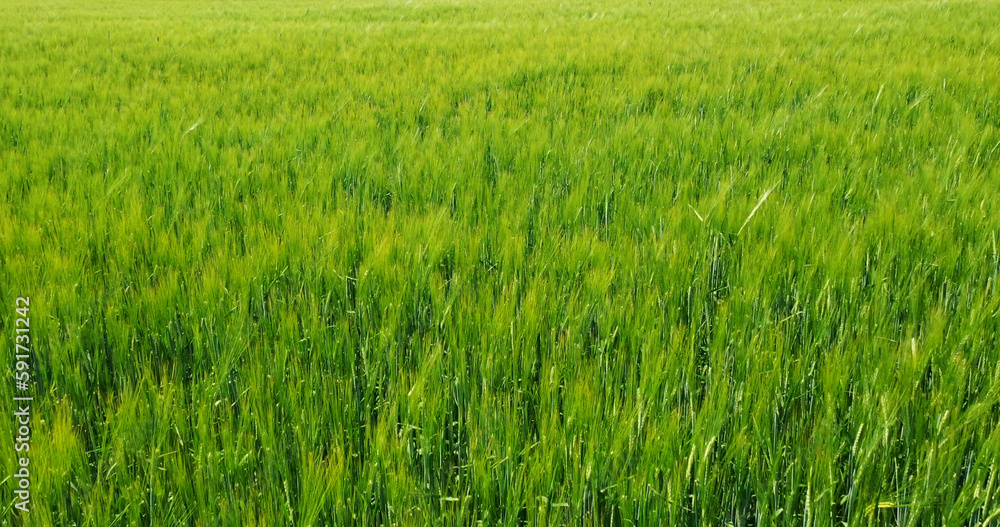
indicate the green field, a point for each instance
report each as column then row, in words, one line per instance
column 628, row 263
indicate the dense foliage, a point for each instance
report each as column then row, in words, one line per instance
column 530, row 262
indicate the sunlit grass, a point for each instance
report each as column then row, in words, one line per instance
column 530, row 263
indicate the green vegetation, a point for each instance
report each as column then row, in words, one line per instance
column 463, row 262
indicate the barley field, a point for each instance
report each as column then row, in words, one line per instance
column 472, row 262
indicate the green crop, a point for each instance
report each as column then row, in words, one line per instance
column 503, row 263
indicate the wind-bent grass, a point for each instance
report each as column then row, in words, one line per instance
column 417, row 263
